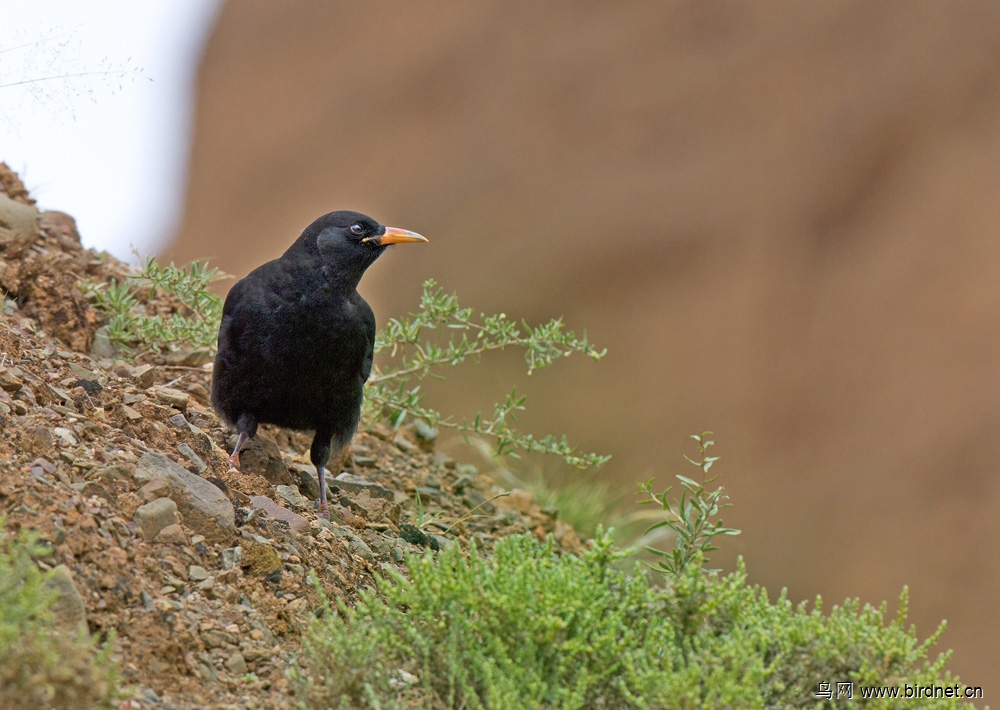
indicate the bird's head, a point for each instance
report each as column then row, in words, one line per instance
column 350, row 242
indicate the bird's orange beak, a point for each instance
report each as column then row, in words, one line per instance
column 399, row 236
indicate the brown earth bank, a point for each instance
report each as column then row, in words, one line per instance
column 200, row 570
column 780, row 218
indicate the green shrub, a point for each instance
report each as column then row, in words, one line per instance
column 42, row 666
column 528, row 628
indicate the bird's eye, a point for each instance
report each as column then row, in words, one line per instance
column 357, row 229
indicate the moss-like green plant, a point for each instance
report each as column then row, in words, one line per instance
column 41, row 665
column 530, row 628
column 523, row 629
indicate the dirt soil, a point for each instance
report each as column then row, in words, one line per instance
column 205, row 617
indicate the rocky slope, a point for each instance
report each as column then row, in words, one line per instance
column 120, row 465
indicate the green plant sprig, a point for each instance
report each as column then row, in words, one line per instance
column 417, row 357
column 129, row 327
column 542, row 344
column 693, row 517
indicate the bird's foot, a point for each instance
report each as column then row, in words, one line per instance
column 323, row 511
column 234, row 460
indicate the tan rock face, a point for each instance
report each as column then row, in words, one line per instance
column 780, row 219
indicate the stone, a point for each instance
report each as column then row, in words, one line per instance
column 426, row 435
column 172, row 535
column 262, row 457
column 66, row 435
column 358, row 546
column 10, row 380
column 82, row 372
column 37, row 439
column 197, row 573
column 175, row 398
column 114, row 472
column 237, row 664
column 442, row 542
column 62, row 227
column 122, row 369
column 232, row 558
column 152, row 517
column 68, row 610
column 277, row 512
column 18, row 225
column 93, row 488
column 308, row 482
column 187, row 452
column 292, row 496
column 157, row 488
column 102, row 347
column 144, row 375
column 372, row 509
column 356, row 484
column 404, row 445
column 205, row 508
column 188, row 357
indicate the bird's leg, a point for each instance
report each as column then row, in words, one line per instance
column 246, row 425
column 319, row 454
column 234, row 458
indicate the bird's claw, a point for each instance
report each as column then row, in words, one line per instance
column 234, row 461
column 323, row 511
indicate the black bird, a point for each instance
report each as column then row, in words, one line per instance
column 297, row 339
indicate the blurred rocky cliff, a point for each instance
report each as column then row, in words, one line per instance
column 780, row 218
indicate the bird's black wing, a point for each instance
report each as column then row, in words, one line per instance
column 369, row 327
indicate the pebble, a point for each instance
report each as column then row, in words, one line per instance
column 102, row 346
column 356, row 484
column 152, row 517
column 157, row 488
column 237, row 664
column 83, row 373
column 292, row 496
column 37, row 439
column 173, row 397
column 187, row 452
column 294, row 520
column 426, row 435
column 205, row 509
column 404, row 445
column 144, row 375
column 67, row 436
column 172, row 535
column 232, row 557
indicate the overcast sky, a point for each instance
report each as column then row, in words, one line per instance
column 95, row 110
